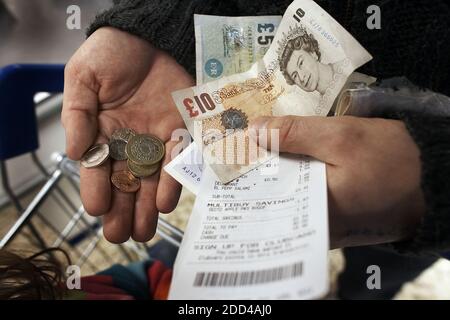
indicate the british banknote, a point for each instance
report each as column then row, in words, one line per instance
column 229, row 45
column 304, row 69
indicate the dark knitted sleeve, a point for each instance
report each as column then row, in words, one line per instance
column 413, row 40
column 432, row 135
column 169, row 24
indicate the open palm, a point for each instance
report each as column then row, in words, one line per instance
column 116, row 80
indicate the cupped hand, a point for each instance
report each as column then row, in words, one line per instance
column 117, row 80
column 373, row 173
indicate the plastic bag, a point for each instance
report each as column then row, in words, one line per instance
column 391, row 95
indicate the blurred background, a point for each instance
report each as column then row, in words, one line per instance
column 38, row 207
column 34, row 31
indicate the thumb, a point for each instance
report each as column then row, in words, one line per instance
column 299, row 135
column 79, row 115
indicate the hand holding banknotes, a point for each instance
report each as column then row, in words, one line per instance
column 373, row 173
column 116, row 80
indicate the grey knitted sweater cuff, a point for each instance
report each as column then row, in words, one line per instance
column 432, row 135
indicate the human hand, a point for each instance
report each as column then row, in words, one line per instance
column 373, row 173
column 117, row 80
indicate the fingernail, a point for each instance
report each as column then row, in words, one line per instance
column 259, row 123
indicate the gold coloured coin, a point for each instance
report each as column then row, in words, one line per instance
column 142, row 171
column 145, row 149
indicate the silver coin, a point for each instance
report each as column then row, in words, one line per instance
column 95, row 156
column 117, row 149
column 124, row 134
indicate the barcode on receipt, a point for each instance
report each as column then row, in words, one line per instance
column 245, row 278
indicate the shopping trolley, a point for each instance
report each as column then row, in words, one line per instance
column 19, row 136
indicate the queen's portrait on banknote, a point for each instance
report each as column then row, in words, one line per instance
column 300, row 62
column 303, row 64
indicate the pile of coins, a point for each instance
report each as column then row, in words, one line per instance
column 143, row 153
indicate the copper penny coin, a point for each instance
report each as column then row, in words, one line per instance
column 125, row 181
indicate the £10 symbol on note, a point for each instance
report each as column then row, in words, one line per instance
column 299, row 14
column 203, row 102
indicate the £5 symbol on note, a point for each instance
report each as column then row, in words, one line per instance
column 302, row 73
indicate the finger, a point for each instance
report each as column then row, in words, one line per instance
column 118, row 221
column 95, row 187
column 79, row 114
column 145, row 211
column 168, row 188
column 299, row 135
